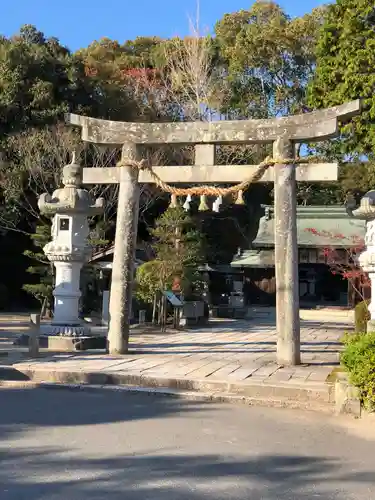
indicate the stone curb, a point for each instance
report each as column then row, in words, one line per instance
column 347, row 397
column 296, row 396
column 203, row 397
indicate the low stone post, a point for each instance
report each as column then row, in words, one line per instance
column 105, row 307
column 34, row 332
column 286, row 258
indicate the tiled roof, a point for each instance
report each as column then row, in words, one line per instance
column 328, row 224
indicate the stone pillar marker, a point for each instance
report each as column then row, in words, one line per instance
column 282, row 132
column 70, row 207
column 286, row 257
column 366, row 211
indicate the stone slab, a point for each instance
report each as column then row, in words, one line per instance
column 321, row 172
column 243, row 373
column 317, row 125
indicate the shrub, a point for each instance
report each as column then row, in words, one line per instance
column 358, row 358
column 361, row 316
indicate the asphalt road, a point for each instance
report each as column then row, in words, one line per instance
column 63, row 445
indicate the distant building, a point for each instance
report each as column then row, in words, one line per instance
column 103, row 260
column 317, row 283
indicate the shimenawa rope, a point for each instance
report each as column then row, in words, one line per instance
column 213, row 190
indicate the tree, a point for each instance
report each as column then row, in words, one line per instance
column 345, row 71
column 194, row 77
column 31, row 35
column 269, row 58
column 40, row 81
column 341, row 258
column 126, row 78
column 178, row 250
column 33, row 165
column 190, row 76
column 178, row 246
column 41, row 269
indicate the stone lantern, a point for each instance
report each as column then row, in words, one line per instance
column 366, row 211
column 70, row 207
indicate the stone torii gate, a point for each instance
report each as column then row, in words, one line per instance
column 283, row 133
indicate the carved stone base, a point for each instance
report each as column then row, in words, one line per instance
column 65, row 343
column 72, row 344
column 52, row 330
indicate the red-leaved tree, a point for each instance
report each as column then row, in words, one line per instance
column 342, row 258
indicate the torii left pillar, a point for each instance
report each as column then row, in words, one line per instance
column 121, row 295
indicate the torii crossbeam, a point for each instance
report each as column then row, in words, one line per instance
column 282, row 132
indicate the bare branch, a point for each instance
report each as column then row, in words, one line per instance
column 189, row 76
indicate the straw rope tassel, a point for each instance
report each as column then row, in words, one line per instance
column 174, row 201
column 240, row 200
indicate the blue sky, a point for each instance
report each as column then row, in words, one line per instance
column 78, row 22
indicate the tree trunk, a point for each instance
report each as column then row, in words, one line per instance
column 154, row 306
column 164, row 313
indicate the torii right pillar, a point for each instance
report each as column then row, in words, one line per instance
column 286, row 257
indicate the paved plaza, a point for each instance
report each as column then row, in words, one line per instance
column 225, row 355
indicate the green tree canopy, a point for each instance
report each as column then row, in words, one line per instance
column 179, row 249
column 345, row 70
column 40, row 81
column 269, row 57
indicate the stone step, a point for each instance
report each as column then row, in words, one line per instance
column 316, row 396
column 215, row 397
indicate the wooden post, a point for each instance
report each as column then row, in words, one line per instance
column 154, row 307
column 34, row 332
column 124, row 254
column 286, row 258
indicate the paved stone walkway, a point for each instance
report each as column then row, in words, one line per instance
column 236, row 351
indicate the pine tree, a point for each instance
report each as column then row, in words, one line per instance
column 179, row 249
column 41, row 269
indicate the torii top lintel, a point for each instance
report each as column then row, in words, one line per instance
column 314, row 126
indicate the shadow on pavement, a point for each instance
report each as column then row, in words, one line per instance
column 179, row 477
column 51, row 407
column 9, row 373
column 42, row 472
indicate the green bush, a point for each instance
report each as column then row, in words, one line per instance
column 361, row 316
column 358, row 358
